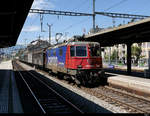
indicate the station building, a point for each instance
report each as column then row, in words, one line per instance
column 121, row 50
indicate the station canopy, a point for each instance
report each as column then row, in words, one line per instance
column 134, row 32
column 13, row 14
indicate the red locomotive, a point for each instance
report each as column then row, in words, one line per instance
column 80, row 61
column 76, row 60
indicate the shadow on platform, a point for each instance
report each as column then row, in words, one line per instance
column 5, row 76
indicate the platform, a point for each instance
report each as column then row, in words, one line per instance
column 138, row 84
column 9, row 96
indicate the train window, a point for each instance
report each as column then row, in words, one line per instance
column 54, row 52
column 81, row 51
column 60, row 51
column 49, row 52
column 72, row 51
column 95, row 50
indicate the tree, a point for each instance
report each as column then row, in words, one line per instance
column 114, row 55
column 106, row 57
column 136, row 53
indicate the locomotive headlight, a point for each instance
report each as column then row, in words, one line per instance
column 99, row 72
column 97, row 65
column 79, row 66
column 89, row 61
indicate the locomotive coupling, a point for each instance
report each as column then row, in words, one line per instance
column 101, row 73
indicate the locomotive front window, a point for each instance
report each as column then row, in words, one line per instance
column 72, row 51
column 95, row 50
column 81, row 51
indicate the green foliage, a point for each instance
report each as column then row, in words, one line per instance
column 114, row 55
column 106, row 57
column 136, row 53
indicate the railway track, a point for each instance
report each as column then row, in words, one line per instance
column 130, row 103
column 127, row 101
column 47, row 99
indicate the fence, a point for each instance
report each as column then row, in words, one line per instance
column 141, row 63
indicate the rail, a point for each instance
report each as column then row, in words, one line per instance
column 47, row 98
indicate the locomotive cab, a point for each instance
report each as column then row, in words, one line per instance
column 85, row 61
column 94, row 59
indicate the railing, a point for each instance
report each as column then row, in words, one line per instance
column 123, row 63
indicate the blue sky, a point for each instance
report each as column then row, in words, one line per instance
column 76, row 25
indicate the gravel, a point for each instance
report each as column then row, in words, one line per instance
column 87, row 102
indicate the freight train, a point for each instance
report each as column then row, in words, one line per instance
column 76, row 60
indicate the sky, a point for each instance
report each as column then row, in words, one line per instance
column 71, row 25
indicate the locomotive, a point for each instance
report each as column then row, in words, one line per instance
column 76, row 60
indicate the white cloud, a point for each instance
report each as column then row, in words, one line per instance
column 31, row 28
column 41, row 4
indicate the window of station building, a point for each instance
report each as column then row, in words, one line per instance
column 60, row 51
column 123, row 45
column 143, row 45
column 144, row 53
column 148, row 44
column 72, row 51
column 81, row 51
column 123, row 52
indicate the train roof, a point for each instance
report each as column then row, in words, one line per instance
column 82, row 43
column 73, row 43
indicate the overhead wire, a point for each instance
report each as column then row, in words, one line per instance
column 33, row 21
column 83, row 3
column 114, row 5
column 79, row 6
column 70, row 26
